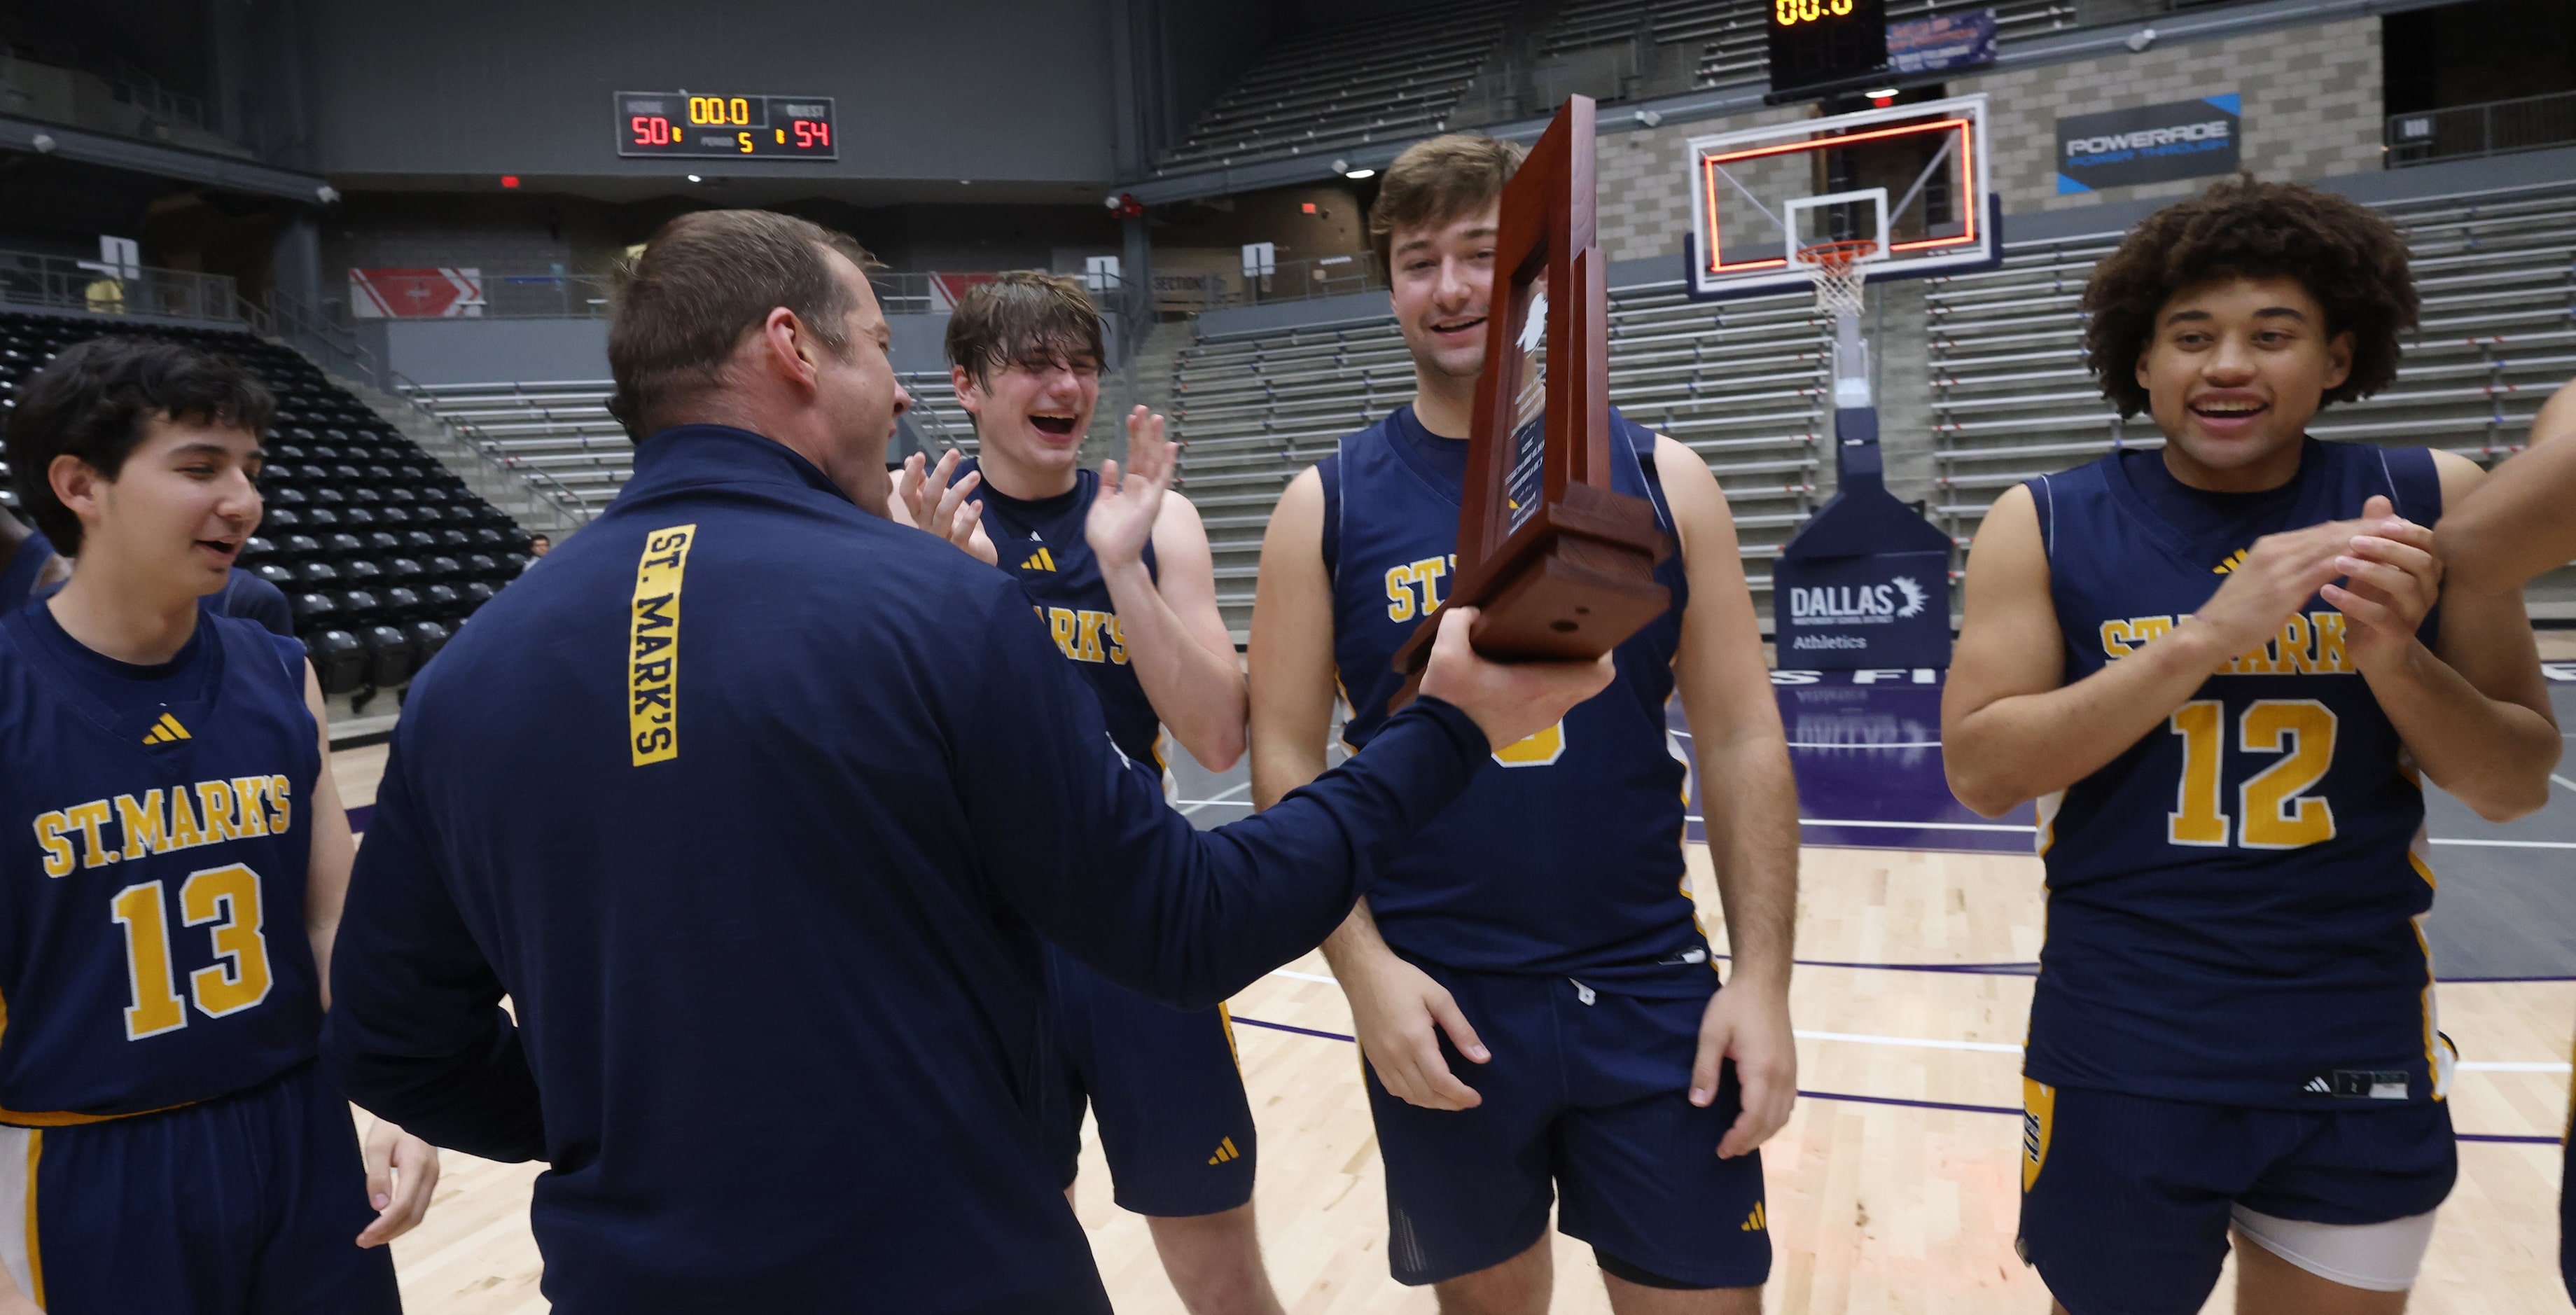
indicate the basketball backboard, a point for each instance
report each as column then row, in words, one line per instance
column 1910, row 178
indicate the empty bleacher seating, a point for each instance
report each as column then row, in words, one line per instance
column 380, row 550
column 1743, row 383
column 1391, row 79
column 2012, row 397
column 564, row 429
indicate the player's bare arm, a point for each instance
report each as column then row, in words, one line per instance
column 1176, row 639
column 2011, row 731
column 2514, row 525
column 1396, row 1008
column 1753, row 821
column 2473, row 709
column 402, row 1170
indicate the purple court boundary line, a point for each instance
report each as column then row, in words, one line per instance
column 1898, row 1101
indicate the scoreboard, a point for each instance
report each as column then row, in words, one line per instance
column 1823, row 46
column 717, row 126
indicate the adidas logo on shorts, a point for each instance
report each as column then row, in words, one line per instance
column 1756, row 1221
column 1225, row 1151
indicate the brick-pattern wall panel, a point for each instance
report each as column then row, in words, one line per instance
column 2312, row 107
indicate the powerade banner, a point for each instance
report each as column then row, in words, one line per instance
column 2186, row 139
column 1851, row 613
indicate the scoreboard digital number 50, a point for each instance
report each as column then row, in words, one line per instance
column 691, row 125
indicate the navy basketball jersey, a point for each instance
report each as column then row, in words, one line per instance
column 152, row 945
column 1040, row 544
column 2233, row 902
column 1567, row 857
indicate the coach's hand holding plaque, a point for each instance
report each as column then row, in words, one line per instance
column 1560, row 566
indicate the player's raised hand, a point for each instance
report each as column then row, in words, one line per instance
column 402, row 1171
column 1510, row 701
column 1399, row 1013
column 2392, row 578
column 1750, row 1025
column 1122, row 517
column 930, row 502
column 2278, row 576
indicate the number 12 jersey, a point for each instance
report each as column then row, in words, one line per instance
column 2234, row 901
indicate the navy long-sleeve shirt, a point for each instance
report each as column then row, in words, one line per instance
column 754, row 805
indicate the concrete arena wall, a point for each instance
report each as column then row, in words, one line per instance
column 2312, row 100
column 476, row 351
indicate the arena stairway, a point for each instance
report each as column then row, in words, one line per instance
column 2012, row 398
column 381, row 550
column 1742, row 383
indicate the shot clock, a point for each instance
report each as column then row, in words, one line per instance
column 718, row 126
column 1823, row 46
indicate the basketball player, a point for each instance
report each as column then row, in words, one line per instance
column 166, row 1143
column 2222, row 669
column 2513, row 527
column 1544, row 922
column 763, row 866
column 1121, row 573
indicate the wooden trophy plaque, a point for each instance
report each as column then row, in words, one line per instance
column 1561, row 566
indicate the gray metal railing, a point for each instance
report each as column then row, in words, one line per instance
column 1289, row 280
column 2499, row 127
column 30, row 278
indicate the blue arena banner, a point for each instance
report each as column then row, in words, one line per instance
column 2153, row 144
column 1889, row 609
column 1942, row 42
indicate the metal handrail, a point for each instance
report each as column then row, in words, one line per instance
column 32, row 278
column 2496, row 127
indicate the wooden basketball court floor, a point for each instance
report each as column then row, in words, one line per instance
column 1894, row 1188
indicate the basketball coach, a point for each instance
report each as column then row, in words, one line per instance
column 755, row 803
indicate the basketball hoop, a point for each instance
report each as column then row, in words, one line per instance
column 1839, row 271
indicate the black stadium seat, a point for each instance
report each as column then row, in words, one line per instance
column 427, row 637
column 389, row 656
column 339, row 661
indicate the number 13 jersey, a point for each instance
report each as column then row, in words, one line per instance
column 2233, row 902
column 152, row 943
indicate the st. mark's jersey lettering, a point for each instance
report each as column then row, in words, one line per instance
column 653, row 647
column 1413, row 588
column 103, row 831
column 1085, row 635
column 2309, row 645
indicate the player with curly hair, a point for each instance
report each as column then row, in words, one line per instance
column 2223, row 669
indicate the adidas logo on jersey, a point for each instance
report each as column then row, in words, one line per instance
column 2318, row 1086
column 167, row 731
column 1225, row 1151
column 1041, row 560
column 2234, row 560
column 1756, row 1221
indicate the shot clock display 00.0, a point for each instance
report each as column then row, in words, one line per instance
column 718, row 126
column 1825, row 45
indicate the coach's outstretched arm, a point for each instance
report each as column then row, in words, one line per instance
column 1188, row 916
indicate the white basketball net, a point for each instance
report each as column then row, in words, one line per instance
column 1839, row 272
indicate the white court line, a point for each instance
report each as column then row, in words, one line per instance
column 2562, row 780
column 1877, row 744
column 1189, row 806
column 2511, row 844
column 2002, row 1047
column 1919, row 826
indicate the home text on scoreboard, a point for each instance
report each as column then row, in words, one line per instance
column 715, row 125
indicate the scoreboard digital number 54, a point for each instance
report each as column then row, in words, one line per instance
column 691, row 125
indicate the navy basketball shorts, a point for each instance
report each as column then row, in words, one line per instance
column 250, row 1204
column 1587, row 1092
column 1165, row 1086
column 2127, row 1200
